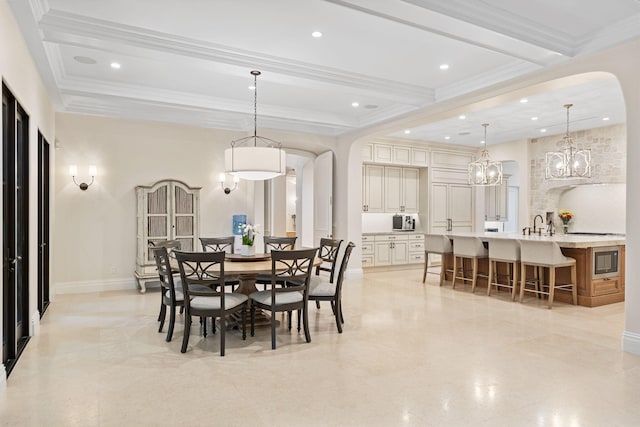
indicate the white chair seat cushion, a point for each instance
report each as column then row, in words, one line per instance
column 179, row 295
column 264, row 297
column 321, row 288
column 231, row 300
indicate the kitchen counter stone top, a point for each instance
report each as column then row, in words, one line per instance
column 564, row 240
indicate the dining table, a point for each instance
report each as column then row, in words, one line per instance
column 247, row 268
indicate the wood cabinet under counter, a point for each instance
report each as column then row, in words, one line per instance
column 399, row 248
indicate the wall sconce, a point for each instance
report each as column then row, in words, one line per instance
column 222, row 178
column 73, row 171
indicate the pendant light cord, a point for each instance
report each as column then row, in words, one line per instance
column 255, row 107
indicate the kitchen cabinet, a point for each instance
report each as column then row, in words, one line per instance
column 390, row 249
column 401, row 189
column 166, row 210
column 451, row 207
column 496, row 202
column 372, row 188
column 392, row 154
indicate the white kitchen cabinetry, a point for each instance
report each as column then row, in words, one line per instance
column 416, row 248
column 367, row 251
column 166, row 210
column 390, row 249
column 373, row 188
column 451, row 207
column 401, row 189
column 496, row 202
column 392, row 154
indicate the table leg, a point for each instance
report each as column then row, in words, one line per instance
column 248, row 286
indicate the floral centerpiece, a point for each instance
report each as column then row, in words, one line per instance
column 248, row 237
column 565, row 216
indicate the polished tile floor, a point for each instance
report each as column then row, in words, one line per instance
column 411, row 354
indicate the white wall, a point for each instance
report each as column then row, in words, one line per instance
column 97, row 227
column 19, row 73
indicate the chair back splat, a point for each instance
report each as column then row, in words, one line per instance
column 218, row 244
column 202, row 275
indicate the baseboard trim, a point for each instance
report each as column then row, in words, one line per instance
column 88, row 286
column 35, row 323
column 631, row 342
column 3, row 378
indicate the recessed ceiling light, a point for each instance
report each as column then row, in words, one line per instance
column 524, row 100
column 316, row 34
column 543, row 130
column 355, row 104
column 115, row 65
column 84, row 60
column 447, row 137
column 252, row 87
column 462, row 117
column 407, row 132
column 482, row 142
column 444, row 66
column 606, row 119
column 534, row 118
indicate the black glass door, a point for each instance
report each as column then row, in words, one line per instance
column 43, row 224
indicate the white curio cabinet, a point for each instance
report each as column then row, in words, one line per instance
column 166, row 210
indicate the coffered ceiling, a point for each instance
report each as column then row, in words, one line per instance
column 189, row 61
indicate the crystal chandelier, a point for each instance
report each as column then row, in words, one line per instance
column 484, row 171
column 569, row 162
column 255, row 157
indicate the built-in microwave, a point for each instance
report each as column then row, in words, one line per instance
column 606, row 262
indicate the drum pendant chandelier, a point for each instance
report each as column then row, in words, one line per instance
column 484, row 171
column 569, row 162
column 255, row 157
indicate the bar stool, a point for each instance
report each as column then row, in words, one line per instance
column 506, row 251
column 437, row 244
column 546, row 254
column 469, row 248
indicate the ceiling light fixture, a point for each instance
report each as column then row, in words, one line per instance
column 484, row 171
column 543, row 130
column 255, row 157
column 606, row 119
column 447, row 137
column 534, row 118
column 569, row 162
column 115, row 65
column 316, row 34
column 444, row 67
column 462, row 117
column 524, row 100
column 355, row 104
column 407, row 132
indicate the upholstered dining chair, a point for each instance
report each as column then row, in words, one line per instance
column 546, row 254
column 292, row 268
column 326, row 290
column 169, row 295
column 467, row 248
column 272, row 243
column 206, row 269
column 438, row 244
column 328, row 252
column 221, row 244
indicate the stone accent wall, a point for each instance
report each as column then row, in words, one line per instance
column 608, row 165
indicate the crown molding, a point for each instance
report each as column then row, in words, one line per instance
column 503, row 22
column 63, row 27
column 622, row 31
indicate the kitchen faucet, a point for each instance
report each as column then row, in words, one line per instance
column 534, row 222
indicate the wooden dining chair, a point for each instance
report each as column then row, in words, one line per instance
column 202, row 275
column 169, row 296
column 272, row 243
column 222, row 244
column 328, row 291
column 328, row 252
column 292, row 268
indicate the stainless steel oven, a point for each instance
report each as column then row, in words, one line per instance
column 606, row 262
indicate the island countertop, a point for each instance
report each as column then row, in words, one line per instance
column 563, row 240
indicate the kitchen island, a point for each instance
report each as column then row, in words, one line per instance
column 593, row 290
